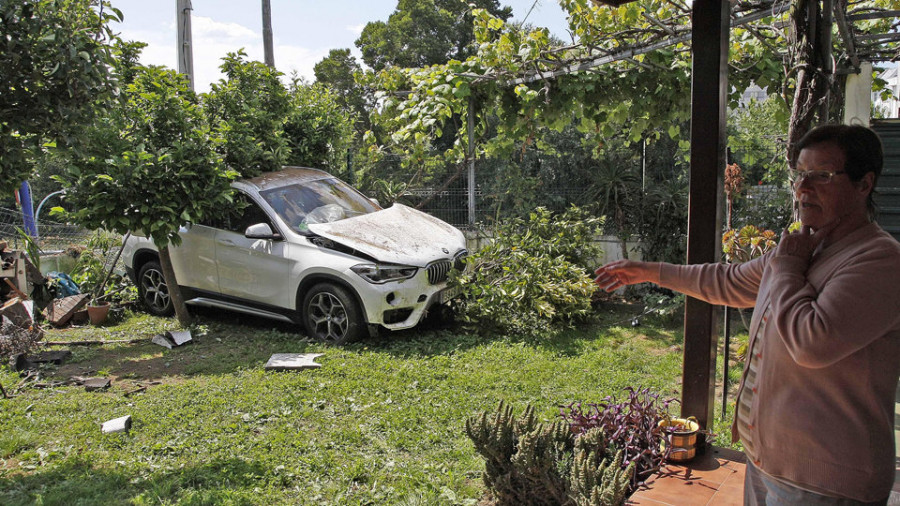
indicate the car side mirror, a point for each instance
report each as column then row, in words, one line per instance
column 375, row 201
column 260, row 231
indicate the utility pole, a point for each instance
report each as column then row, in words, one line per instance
column 267, row 33
column 183, row 29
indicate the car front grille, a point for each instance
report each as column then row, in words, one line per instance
column 438, row 270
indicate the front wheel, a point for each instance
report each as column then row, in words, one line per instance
column 331, row 314
column 153, row 290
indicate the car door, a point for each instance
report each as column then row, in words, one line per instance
column 194, row 260
column 255, row 270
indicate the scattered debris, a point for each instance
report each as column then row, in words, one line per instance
column 135, row 391
column 55, row 357
column 162, row 341
column 19, row 311
column 180, row 337
column 94, row 342
column 122, row 424
column 62, row 310
column 293, row 361
column 92, row 384
column 15, row 289
column 172, row 339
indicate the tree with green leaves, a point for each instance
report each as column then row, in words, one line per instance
column 55, row 64
column 247, row 110
column 424, row 32
column 317, row 129
column 339, row 71
column 150, row 165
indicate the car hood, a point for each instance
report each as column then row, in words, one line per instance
column 398, row 234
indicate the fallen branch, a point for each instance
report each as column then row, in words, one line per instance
column 136, row 390
column 93, row 342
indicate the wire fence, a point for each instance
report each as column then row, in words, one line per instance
column 52, row 236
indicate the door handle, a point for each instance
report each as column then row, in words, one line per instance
column 225, row 242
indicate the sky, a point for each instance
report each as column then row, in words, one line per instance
column 304, row 31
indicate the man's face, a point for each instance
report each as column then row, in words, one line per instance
column 823, row 202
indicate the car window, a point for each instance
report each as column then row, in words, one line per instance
column 249, row 213
column 319, row 201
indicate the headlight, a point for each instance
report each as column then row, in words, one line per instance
column 383, row 273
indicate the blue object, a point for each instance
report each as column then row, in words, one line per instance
column 65, row 286
column 27, row 209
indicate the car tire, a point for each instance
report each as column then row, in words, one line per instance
column 153, row 291
column 332, row 315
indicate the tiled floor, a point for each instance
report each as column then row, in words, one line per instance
column 715, row 478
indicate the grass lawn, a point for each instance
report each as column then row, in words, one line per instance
column 381, row 422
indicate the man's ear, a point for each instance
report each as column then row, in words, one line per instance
column 867, row 183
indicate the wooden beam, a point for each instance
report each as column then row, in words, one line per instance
column 846, row 32
column 709, row 94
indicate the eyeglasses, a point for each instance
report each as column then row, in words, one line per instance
column 816, row 177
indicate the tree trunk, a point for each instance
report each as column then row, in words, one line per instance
column 181, row 312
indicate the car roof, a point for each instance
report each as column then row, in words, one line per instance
column 285, row 176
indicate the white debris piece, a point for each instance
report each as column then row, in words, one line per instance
column 172, row 339
column 162, row 341
column 122, row 424
column 293, row 361
column 180, row 337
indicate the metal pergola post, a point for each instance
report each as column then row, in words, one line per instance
column 470, row 149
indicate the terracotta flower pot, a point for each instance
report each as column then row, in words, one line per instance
column 97, row 314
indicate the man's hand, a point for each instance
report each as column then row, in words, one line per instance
column 615, row 275
column 803, row 243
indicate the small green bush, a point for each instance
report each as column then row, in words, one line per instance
column 533, row 275
column 529, row 463
column 91, row 270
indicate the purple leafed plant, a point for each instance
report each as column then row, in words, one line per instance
column 631, row 425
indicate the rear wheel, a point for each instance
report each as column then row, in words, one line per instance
column 153, row 290
column 331, row 314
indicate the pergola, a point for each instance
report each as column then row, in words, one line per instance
column 711, row 22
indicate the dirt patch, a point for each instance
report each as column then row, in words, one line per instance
column 135, row 364
column 9, row 464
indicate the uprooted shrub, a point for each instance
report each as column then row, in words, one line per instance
column 533, row 275
column 530, row 463
column 631, row 425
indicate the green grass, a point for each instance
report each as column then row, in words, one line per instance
column 382, row 422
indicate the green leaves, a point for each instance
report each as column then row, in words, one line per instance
column 54, row 75
column 533, row 274
column 150, row 164
column 248, row 110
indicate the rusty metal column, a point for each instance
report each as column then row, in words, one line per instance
column 708, row 102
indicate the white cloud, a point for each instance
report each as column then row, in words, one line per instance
column 356, row 29
column 300, row 59
column 207, row 28
column 212, row 40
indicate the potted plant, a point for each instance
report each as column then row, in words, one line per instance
column 679, row 438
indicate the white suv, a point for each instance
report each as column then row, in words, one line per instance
column 303, row 246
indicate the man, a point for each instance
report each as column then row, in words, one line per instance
column 815, row 407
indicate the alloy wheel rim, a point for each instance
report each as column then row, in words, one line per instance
column 156, row 293
column 328, row 317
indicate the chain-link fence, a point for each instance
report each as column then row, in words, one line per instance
column 52, row 236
